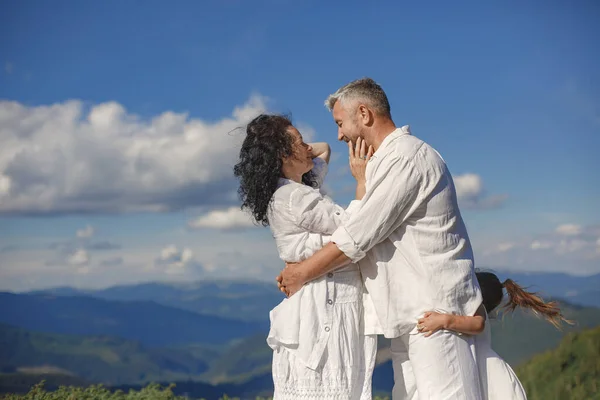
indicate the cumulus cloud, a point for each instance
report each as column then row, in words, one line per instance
column 568, row 248
column 78, row 258
column 471, row 193
column 87, row 232
column 568, row 229
column 69, row 158
column 174, row 261
column 569, row 239
column 76, row 251
column 84, row 240
column 230, row 218
column 540, row 245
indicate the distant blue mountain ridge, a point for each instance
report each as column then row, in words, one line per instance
column 152, row 324
column 251, row 301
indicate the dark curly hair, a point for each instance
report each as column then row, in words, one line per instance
column 259, row 168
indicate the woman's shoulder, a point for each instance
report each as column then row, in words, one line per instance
column 291, row 189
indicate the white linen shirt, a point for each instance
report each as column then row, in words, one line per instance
column 408, row 237
column 301, row 221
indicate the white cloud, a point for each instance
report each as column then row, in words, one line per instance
column 468, row 185
column 570, row 246
column 78, row 258
column 87, row 232
column 175, row 261
column 567, row 248
column 66, row 158
column 190, row 256
column 230, row 218
column 471, row 194
column 540, row 245
column 568, row 229
column 502, row 247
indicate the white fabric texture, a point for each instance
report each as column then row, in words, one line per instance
column 346, row 364
column 320, row 349
column 498, row 380
column 408, row 236
column 444, row 365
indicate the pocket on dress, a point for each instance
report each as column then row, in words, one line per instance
column 348, row 287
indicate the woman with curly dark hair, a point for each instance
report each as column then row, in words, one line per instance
column 321, row 349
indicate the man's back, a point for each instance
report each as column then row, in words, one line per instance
column 424, row 260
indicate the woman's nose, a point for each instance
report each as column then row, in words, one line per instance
column 310, row 148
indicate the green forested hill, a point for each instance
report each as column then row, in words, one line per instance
column 94, row 358
column 570, row 372
column 117, row 361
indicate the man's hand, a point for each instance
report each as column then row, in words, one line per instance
column 291, row 279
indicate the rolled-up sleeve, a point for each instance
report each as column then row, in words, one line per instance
column 352, row 207
column 391, row 198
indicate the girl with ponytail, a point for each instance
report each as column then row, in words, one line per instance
column 498, row 380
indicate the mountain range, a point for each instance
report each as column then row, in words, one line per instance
column 251, row 301
column 209, row 337
column 148, row 322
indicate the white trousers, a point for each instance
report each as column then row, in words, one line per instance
column 442, row 366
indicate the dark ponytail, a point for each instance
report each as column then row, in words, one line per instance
column 519, row 297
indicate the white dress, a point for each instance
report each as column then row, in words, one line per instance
column 498, row 380
column 320, row 350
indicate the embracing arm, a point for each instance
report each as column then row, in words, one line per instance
column 469, row 325
column 391, row 199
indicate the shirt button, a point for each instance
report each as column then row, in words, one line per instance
column 337, row 213
column 330, row 275
column 326, row 329
column 330, row 301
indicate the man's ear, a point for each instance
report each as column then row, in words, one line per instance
column 365, row 115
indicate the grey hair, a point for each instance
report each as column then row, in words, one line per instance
column 365, row 90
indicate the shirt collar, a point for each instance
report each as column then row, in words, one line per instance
column 283, row 181
column 405, row 130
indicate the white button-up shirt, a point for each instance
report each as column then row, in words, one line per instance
column 409, row 236
column 302, row 221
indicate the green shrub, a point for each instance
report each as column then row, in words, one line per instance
column 98, row 392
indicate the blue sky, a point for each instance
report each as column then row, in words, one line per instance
column 116, row 120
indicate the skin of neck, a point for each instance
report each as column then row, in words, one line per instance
column 380, row 128
column 296, row 178
column 292, row 175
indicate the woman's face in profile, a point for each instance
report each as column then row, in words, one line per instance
column 300, row 162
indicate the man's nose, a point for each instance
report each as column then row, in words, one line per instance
column 340, row 135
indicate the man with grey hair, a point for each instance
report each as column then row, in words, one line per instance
column 411, row 244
